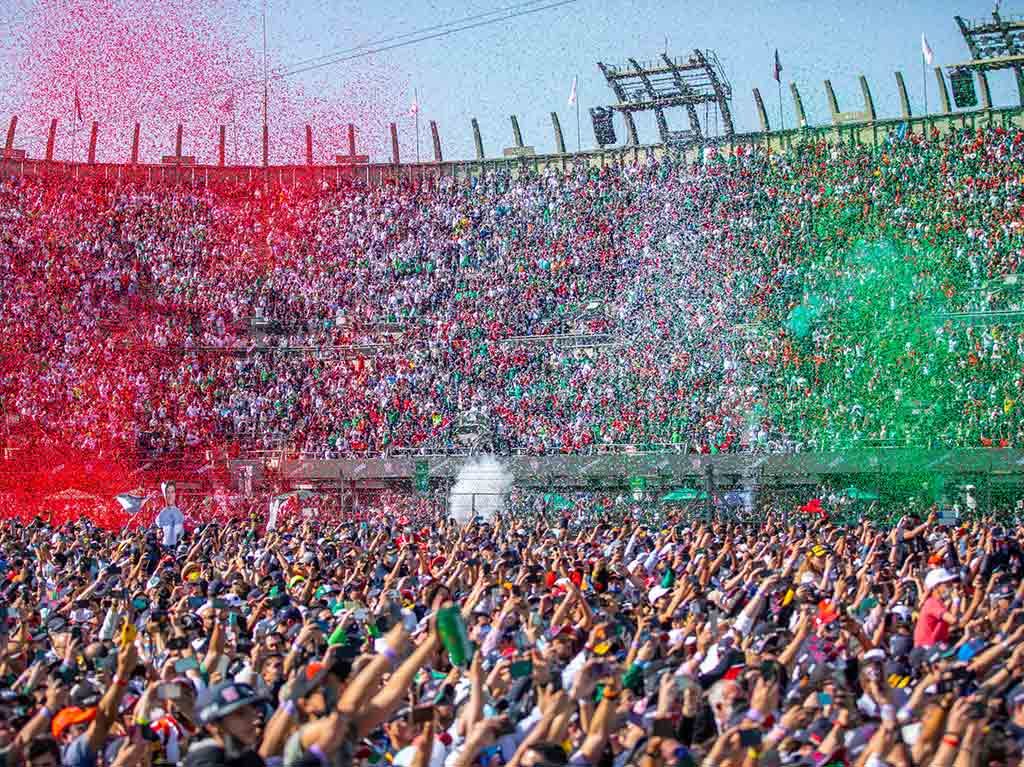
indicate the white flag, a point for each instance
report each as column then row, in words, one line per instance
column 131, row 503
column 572, row 92
column 926, row 50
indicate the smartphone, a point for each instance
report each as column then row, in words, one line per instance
column 169, row 691
column 140, row 603
column 521, row 669
column 194, row 603
column 663, row 728
column 221, row 604
column 713, row 621
column 422, row 714
column 750, row 738
column 824, row 699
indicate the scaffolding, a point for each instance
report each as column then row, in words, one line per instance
column 673, row 82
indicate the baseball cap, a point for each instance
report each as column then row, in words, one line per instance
column 225, row 698
column 938, row 576
column 85, row 694
column 67, row 717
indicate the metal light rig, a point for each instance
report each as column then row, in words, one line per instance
column 995, row 43
column 670, row 82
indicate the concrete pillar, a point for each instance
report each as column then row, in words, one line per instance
column 761, row 113
column 631, row 135
column 904, row 99
column 477, row 140
column 517, row 136
column 51, row 140
column 798, row 105
column 833, row 103
column 436, row 139
column 557, row 127
column 943, row 91
column 869, row 103
column 135, row 144
column 12, row 128
column 93, row 135
column 986, row 94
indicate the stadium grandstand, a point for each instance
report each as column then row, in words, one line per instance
column 732, row 310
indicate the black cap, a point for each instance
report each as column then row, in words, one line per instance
column 223, row 699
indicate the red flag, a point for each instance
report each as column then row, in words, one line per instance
column 78, row 106
column 778, row 67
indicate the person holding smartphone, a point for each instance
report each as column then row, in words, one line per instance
column 937, row 615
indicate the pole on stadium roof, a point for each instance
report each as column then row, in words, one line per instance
column 986, row 94
column 222, row 145
column 833, row 102
column 559, row 140
column 477, row 140
column 135, row 144
column 351, row 139
column 51, row 139
column 394, row 144
column 517, row 136
column 309, row 145
column 761, row 113
column 943, row 90
column 869, row 103
column 12, row 127
column 437, row 141
column 93, row 134
column 904, row 99
column 798, row 105
column 178, row 135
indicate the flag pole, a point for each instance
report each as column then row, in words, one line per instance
column 416, row 102
column 577, row 80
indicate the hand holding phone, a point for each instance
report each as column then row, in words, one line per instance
column 422, row 714
column 168, row 691
column 663, row 728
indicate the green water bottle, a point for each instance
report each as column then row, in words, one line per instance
column 452, row 629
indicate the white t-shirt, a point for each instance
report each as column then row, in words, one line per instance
column 172, row 522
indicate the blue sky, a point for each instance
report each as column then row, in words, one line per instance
column 525, row 66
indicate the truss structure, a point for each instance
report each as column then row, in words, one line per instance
column 671, row 82
column 995, row 43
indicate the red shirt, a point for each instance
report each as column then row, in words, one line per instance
column 931, row 629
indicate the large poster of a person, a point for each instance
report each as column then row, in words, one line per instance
column 170, row 520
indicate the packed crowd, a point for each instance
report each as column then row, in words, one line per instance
column 536, row 638
column 755, row 301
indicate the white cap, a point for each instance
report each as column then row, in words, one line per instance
column 938, row 576
column 656, row 593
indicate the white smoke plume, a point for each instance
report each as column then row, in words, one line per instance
column 481, row 488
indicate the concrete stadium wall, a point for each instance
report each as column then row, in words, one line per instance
column 661, row 468
column 872, row 132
